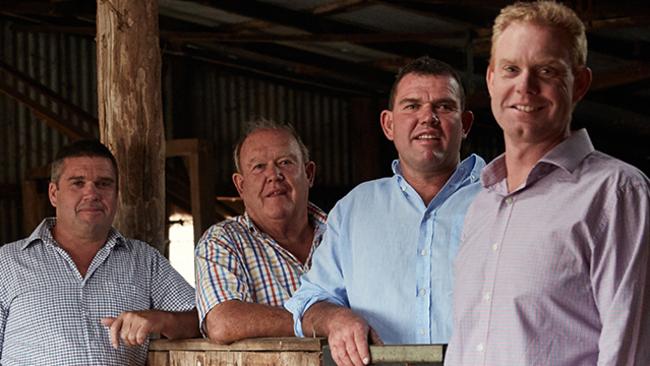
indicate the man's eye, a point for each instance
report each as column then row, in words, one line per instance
column 445, row 107
column 547, row 71
column 510, row 69
column 286, row 162
column 78, row 183
column 411, row 107
column 257, row 167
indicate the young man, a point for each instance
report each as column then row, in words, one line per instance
column 553, row 267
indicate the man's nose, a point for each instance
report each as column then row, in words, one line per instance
column 273, row 172
column 428, row 114
column 527, row 83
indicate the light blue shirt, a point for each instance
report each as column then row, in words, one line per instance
column 389, row 257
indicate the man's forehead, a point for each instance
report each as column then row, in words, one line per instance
column 84, row 165
column 264, row 141
column 412, row 83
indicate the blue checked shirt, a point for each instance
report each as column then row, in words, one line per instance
column 50, row 315
column 237, row 261
column 388, row 256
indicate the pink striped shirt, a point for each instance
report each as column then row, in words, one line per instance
column 556, row 272
column 234, row 260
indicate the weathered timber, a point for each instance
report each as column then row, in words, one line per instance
column 130, row 112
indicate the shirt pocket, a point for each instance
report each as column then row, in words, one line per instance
column 120, row 297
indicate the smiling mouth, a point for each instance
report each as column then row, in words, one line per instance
column 427, row 136
column 276, row 193
column 526, row 108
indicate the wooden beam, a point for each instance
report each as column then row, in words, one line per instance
column 201, row 167
column 130, row 113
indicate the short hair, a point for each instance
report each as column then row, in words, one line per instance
column 85, row 148
column 424, row 66
column 545, row 13
column 267, row 124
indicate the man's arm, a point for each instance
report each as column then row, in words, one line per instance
column 620, row 278
column 347, row 333
column 233, row 320
column 134, row 327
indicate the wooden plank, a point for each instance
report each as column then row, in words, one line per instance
column 253, row 344
column 158, row 359
column 186, row 358
column 262, row 359
column 407, row 353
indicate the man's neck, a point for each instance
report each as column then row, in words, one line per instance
column 81, row 246
column 520, row 159
column 427, row 185
column 294, row 235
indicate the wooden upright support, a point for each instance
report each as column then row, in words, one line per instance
column 130, row 112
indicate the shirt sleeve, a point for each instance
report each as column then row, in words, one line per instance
column 220, row 271
column 620, row 278
column 4, row 313
column 325, row 280
column 169, row 290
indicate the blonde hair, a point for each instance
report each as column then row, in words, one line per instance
column 545, row 13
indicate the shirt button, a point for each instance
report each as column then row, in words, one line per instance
column 509, row 200
column 423, row 331
column 487, row 296
column 423, row 252
column 480, row 347
column 495, row 246
column 422, row 291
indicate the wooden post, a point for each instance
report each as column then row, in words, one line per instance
column 130, row 113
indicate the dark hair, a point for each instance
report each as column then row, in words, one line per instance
column 87, row 148
column 426, row 65
column 266, row 124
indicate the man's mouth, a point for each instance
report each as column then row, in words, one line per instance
column 276, row 193
column 427, row 136
column 526, row 108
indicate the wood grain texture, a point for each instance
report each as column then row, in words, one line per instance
column 130, row 113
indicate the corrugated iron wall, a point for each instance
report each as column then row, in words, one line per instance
column 63, row 63
column 224, row 101
column 221, row 101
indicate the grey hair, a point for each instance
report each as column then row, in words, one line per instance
column 267, row 124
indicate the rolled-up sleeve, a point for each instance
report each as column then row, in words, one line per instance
column 325, row 280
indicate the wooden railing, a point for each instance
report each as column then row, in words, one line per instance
column 280, row 352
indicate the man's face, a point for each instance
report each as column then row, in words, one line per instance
column 85, row 197
column 274, row 181
column 532, row 85
column 427, row 124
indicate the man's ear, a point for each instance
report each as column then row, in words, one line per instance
column 466, row 118
column 489, row 76
column 51, row 193
column 581, row 83
column 310, row 170
column 238, row 180
column 386, row 120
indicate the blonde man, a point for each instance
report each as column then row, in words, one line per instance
column 553, row 267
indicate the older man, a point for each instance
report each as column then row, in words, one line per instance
column 76, row 285
column 384, row 267
column 249, row 265
column 553, row 267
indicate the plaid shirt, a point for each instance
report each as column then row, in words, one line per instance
column 237, row 261
column 50, row 315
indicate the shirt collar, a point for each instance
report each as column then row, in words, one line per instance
column 315, row 215
column 43, row 234
column 567, row 155
column 468, row 171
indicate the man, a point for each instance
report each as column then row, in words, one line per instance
column 384, row 267
column 249, row 265
column 553, row 267
column 76, row 286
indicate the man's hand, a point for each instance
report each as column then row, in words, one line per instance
column 134, row 327
column 347, row 333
